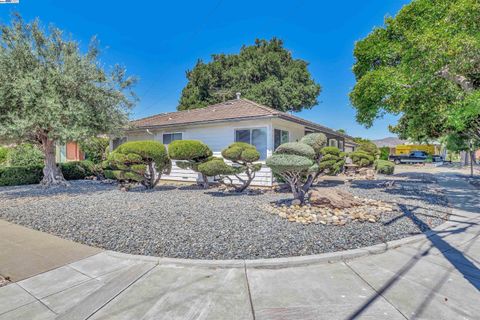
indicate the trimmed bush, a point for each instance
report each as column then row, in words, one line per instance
column 332, row 161
column 243, row 156
column 297, row 148
column 361, row 158
column 368, row 147
column 25, row 155
column 14, row 176
column 138, row 161
column 315, row 140
column 384, row 153
column 77, row 170
column 384, row 166
column 189, row 150
column 190, row 154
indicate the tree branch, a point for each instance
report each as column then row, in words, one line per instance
column 462, row 81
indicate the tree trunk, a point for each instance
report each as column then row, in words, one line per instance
column 52, row 175
column 472, row 160
column 204, row 181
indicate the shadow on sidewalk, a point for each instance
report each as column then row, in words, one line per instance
column 463, row 199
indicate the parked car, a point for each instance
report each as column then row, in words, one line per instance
column 414, row 157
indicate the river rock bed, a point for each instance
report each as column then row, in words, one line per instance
column 189, row 222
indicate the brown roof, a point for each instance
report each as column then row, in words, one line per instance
column 238, row 109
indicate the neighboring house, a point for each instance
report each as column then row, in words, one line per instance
column 219, row 125
column 69, row 152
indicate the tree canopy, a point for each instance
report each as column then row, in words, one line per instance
column 424, row 64
column 265, row 72
column 51, row 92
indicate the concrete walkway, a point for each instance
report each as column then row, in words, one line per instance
column 25, row 252
column 437, row 277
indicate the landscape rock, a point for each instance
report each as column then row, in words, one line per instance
column 333, row 198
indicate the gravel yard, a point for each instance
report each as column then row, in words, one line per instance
column 187, row 222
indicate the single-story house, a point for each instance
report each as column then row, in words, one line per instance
column 221, row 124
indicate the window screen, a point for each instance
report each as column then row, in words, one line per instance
column 256, row 137
column 169, row 137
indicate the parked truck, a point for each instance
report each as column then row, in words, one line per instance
column 416, row 156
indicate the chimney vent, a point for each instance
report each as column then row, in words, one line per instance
column 238, row 95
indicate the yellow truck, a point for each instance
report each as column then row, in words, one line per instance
column 406, row 149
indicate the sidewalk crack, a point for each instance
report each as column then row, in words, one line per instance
column 248, row 290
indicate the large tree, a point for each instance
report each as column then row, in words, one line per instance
column 424, row 64
column 51, row 92
column 264, row 72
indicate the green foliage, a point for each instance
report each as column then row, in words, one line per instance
column 384, row 153
column 296, row 148
column 20, row 175
column 24, row 155
column 315, row 140
column 95, row 148
column 189, row 150
column 51, row 92
column 242, row 155
column 138, row 161
column 241, row 152
column 264, row 72
column 384, row 167
column 77, row 170
column 283, row 163
column 361, row 158
column 3, row 155
column 332, row 160
column 423, row 65
column 369, row 147
column 149, row 151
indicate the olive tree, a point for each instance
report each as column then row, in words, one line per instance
column 189, row 154
column 138, row 161
column 298, row 163
column 242, row 157
column 51, row 92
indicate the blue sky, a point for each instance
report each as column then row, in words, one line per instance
column 159, row 40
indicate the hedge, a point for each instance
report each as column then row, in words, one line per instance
column 15, row 176
column 3, row 155
column 296, row 148
column 77, row 170
column 191, row 150
column 384, row 166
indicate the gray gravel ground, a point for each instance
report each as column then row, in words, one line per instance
column 187, row 222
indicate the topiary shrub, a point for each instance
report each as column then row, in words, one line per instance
column 77, row 170
column 95, row 149
column 189, row 155
column 332, row 161
column 3, row 155
column 298, row 163
column 243, row 157
column 361, row 158
column 384, row 167
column 25, row 155
column 14, row 176
column 138, row 162
column 368, row 147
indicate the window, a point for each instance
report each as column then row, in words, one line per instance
column 333, row 143
column 256, row 137
column 340, row 145
column 279, row 137
column 169, row 137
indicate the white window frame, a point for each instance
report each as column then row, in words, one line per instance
column 171, row 133
column 281, row 131
column 253, row 128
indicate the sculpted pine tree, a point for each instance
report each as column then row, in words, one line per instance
column 265, row 72
column 51, row 93
column 424, row 65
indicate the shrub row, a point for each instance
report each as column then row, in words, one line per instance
column 21, row 175
column 384, row 166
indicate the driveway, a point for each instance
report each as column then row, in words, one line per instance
column 436, row 277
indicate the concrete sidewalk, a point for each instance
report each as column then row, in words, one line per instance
column 25, row 252
column 435, row 278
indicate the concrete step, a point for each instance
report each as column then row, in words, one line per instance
column 99, row 298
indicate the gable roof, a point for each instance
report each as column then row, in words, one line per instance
column 237, row 109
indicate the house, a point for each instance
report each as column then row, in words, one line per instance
column 221, row 124
column 69, row 152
